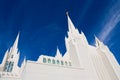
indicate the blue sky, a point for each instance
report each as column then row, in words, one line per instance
column 43, row 24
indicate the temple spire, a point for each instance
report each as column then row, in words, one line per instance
column 97, row 42
column 71, row 26
column 15, row 45
column 58, row 54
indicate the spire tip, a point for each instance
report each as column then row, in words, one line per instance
column 67, row 13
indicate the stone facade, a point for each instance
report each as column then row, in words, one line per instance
column 80, row 62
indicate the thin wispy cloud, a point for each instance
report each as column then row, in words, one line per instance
column 111, row 22
column 109, row 26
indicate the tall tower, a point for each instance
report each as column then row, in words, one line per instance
column 110, row 63
column 71, row 43
column 11, row 64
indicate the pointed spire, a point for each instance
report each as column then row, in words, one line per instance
column 24, row 61
column 18, row 53
column 84, row 37
column 5, row 58
column 97, row 42
column 14, row 48
column 66, row 39
column 23, row 65
column 15, row 45
column 71, row 26
column 58, row 54
column 82, row 34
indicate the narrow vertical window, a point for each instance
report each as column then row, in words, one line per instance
column 62, row 63
column 49, row 60
column 53, row 61
column 11, row 66
column 44, row 60
column 58, row 62
column 6, row 66
column 66, row 63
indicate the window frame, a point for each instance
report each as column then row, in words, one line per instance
column 44, row 60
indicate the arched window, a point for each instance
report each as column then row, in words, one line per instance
column 66, row 63
column 44, row 60
column 62, row 63
column 49, row 60
column 53, row 61
column 58, row 62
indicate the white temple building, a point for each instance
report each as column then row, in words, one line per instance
column 80, row 62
